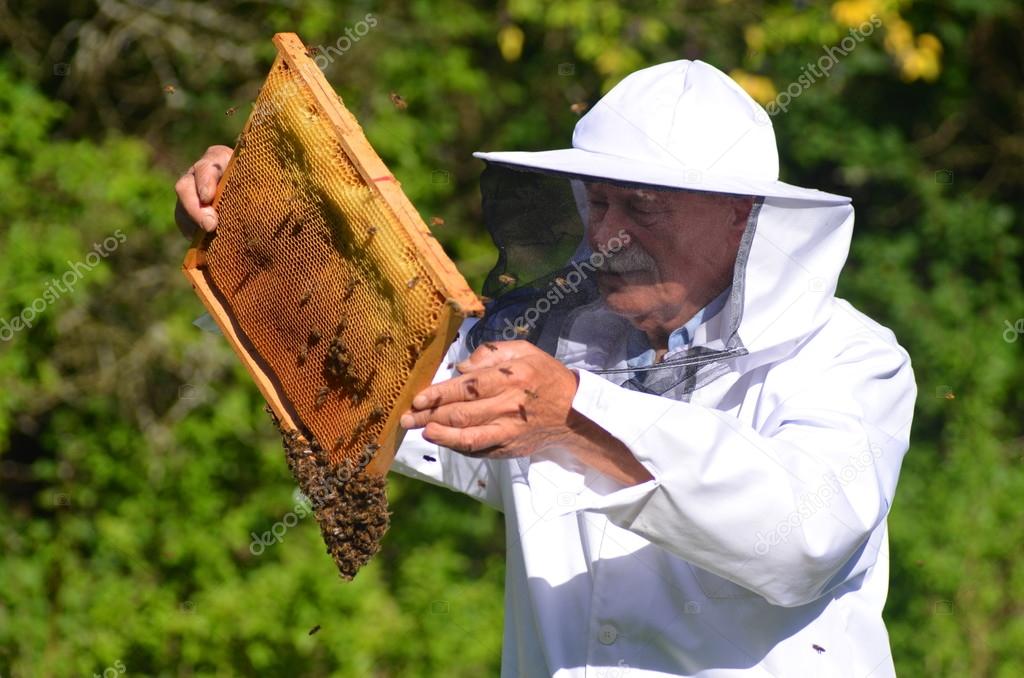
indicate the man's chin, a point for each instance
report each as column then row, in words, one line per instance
column 624, row 293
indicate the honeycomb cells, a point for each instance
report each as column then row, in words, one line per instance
column 322, row 280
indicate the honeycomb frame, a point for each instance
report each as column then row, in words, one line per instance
column 331, row 200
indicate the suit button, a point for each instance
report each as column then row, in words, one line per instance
column 607, row 634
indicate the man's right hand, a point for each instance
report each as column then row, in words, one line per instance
column 196, row 189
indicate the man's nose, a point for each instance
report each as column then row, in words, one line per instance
column 612, row 224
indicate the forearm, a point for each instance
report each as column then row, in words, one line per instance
column 602, row 451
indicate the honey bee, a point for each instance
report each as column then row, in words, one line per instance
column 522, row 330
column 818, row 648
column 342, row 324
column 304, row 299
column 506, row 279
column 321, row 396
column 437, row 221
column 312, row 52
column 561, row 282
column 372, row 231
column 412, row 282
column 302, row 356
column 314, row 337
column 481, row 484
column 457, row 307
column 532, row 395
column 579, row 107
column 376, row 414
column 385, row 340
column 489, row 346
column 231, row 111
column 398, row 101
column 429, row 458
column 351, row 287
column 169, row 89
column 449, row 366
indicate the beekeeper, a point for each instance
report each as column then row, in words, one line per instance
column 694, row 442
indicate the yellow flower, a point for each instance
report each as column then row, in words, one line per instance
column 510, row 42
column 760, row 88
column 854, row 12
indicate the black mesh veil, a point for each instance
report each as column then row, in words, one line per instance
column 542, row 270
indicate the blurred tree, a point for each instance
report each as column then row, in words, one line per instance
column 136, row 459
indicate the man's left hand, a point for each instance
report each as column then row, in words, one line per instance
column 510, row 400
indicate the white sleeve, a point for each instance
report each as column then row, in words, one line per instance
column 786, row 510
column 417, row 458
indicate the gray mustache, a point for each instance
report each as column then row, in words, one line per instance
column 629, row 260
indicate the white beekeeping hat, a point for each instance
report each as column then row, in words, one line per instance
column 682, row 124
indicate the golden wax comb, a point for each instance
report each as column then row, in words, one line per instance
column 331, row 290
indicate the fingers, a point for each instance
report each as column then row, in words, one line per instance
column 475, row 386
column 471, row 441
column 196, row 189
column 209, row 170
column 463, row 415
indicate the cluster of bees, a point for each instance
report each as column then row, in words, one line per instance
column 350, row 505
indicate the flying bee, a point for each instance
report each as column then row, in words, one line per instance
column 457, row 307
column 481, row 484
column 532, row 395
column 398, row 101
column 506, row 279
column 342, row 324
column 561, row 282
column 429, row 458
column 412, row 282
column 314, row 629
column 231, row 111
column 311, row 52
column 169, row 89
column 522, row 330
column 449, row 366
column 437, row 221
column 579, row 107
column 818, row 648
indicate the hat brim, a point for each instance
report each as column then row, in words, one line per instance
column 577, row 162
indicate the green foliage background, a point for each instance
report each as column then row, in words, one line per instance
column 135, row 458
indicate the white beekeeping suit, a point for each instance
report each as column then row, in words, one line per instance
column 774, row 437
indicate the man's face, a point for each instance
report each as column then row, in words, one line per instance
column 681, row 252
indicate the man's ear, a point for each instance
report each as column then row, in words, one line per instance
column 741, row 208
